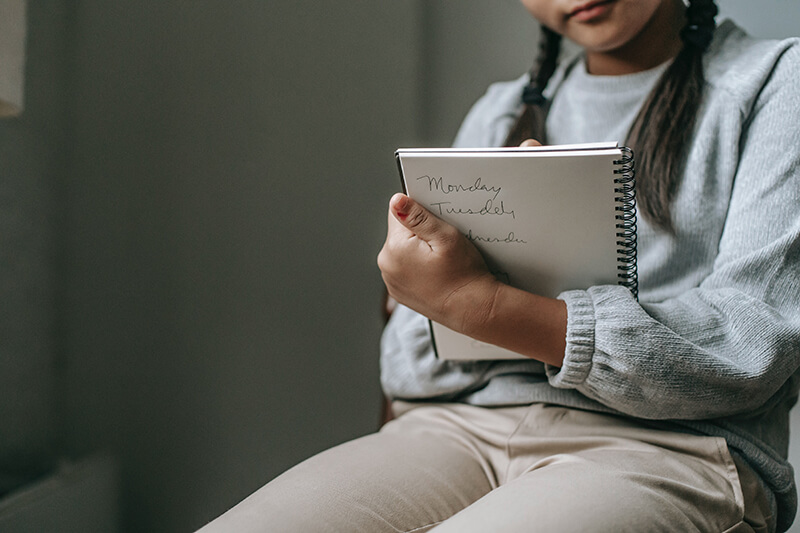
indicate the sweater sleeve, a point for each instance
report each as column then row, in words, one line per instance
column 728, row 345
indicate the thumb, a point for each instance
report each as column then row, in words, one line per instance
column 415, row 218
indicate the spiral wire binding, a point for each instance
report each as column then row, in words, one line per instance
column 625, row 188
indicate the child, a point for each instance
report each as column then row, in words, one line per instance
column 665, row 414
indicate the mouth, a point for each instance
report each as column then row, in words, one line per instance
column 590, row 10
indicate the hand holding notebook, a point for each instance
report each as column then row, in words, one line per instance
column 546, row 219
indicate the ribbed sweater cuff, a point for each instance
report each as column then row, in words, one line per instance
column 580, row 341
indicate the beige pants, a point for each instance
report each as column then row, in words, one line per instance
column 458, row 468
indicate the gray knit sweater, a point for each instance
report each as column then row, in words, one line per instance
column 713, row 345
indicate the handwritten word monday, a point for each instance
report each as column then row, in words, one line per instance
column 438, row 184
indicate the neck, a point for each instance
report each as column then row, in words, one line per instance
column 659, row 41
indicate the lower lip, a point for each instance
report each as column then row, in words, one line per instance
column 594, row 12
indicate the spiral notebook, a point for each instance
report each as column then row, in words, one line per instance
column 546, row 219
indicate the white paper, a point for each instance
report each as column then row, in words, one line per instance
column 543, row 218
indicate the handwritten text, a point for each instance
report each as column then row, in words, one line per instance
column 489, row 208
column 508, row 239
column 439, row 184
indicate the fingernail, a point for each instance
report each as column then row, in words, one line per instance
column 400, row 206
column 402, row 203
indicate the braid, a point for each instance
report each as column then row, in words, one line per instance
column 530, row 125
column 661, row 133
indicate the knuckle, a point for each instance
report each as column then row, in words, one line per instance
column 385, row 261
column 388, row 258
column 450, row 234
column 418, row 217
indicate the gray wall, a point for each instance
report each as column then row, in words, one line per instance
column 765, row 18
column 469, row 44
column 33, row 155
column 226, row 199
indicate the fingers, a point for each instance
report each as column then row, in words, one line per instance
column 425, row 260
column 416, row 219
column 529, row 142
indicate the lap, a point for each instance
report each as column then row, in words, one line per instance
column 405, row 478
column 606, row 490
column 461, row 468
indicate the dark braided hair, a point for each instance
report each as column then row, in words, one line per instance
column 662, row 130
column 530, row 124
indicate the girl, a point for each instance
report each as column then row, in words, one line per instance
column 665, row 414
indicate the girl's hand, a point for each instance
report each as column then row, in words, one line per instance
column 429, row 266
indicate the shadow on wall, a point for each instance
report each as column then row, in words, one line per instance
column 192, row 205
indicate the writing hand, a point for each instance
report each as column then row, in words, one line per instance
column 429, row 266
